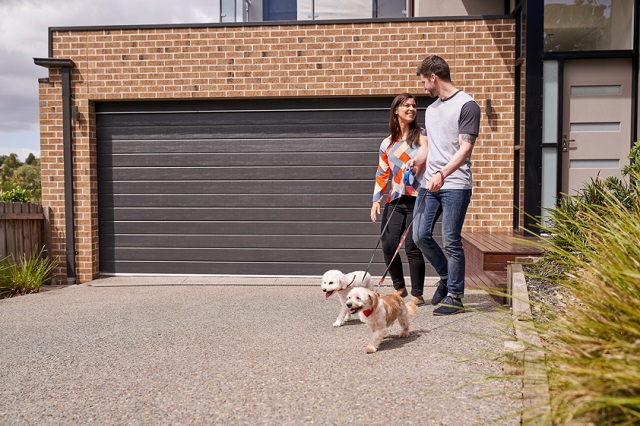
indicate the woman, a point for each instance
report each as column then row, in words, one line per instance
column 401, row 146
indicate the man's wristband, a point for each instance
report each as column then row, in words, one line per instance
column 441, row 175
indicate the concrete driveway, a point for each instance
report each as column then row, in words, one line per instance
column 193, row 350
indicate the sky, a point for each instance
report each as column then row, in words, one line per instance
column 24, row 33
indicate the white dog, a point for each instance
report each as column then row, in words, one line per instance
column 334, row 281
column 379, row 313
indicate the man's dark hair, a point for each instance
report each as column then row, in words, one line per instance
column 434, row 65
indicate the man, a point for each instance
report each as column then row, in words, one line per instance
column 452, row 125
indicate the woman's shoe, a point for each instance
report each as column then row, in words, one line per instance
column 402, row 292
column 418, row 300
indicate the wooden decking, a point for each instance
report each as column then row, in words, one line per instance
column 487, row 256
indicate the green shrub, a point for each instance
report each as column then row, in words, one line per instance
column 15, row 194
column 567, row 226
column 24, row 276
column 593, row 342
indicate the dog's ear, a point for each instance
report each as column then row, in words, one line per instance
column 342, row 280
column 373, row 296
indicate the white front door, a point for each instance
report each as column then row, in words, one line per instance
column 596, row 120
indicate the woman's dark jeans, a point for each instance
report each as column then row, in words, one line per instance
column 401, row 217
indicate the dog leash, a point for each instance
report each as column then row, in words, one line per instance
column 404, row 236
column 408, row 179
column 379, row 239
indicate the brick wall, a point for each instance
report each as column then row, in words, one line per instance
column 333, row 59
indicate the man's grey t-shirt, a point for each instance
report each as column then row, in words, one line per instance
column 444, row 122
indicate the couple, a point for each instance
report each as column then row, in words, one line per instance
column 440, row 154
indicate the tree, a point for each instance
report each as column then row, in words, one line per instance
column 30, row 159
column 15, row 175
column 9, row 165
column 27, row 176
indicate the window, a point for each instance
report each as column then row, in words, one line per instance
column 307, row 10
column 580, row 25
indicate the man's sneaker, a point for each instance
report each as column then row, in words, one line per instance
column 450, row 306
column 441, row 292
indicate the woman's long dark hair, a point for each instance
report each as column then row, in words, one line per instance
column 413, row 138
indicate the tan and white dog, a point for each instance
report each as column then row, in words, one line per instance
column 379, row 313
column 334, row 281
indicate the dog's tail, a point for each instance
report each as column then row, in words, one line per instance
column 412, row 308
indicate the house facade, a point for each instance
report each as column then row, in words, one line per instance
column 249, row 148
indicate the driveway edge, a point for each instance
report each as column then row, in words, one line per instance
column 531, row 361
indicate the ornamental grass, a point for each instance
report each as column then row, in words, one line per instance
column 593, row 342
column 24, row 276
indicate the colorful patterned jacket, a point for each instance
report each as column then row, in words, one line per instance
column 392, row 163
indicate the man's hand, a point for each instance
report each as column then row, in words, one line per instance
column 436, row 182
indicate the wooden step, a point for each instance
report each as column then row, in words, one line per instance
column 492, row 252
column 487, row 256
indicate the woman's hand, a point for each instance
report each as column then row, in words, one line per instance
column 375, row 210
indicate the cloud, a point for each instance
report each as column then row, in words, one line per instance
column 24, row 35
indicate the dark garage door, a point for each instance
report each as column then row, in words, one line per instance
column 252, row 187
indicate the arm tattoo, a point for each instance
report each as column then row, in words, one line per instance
column 469, row 138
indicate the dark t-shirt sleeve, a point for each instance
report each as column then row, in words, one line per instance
column 470, row 119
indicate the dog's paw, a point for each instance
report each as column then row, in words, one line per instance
column 370, row 349
column 404, row 334
column 338, row 323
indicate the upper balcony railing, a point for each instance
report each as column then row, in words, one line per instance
column 309, row 10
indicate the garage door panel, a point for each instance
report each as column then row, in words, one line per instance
column 240, row 201
column 352, row 143
column 113, row 241
column 242, row 104
column 232, row 268
column 255, row 255
column 241, row 159
column 327, row 118
column 233, row 214
column 183, row 229
column 237, row 173
column 282, row 131
column 237, row 187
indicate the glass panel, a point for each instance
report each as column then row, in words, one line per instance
column 242, row 10
column 550, row 102
column 595, row 90
column 549, row 186
column 594, row 164
column 595, row 127
column 390, row 8
column 334, row 9
column 228, row 11
column 304, row 8
column 579, row 25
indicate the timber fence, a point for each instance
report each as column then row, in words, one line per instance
column 24, row 230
